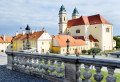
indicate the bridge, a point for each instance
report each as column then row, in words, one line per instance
column 60, row 68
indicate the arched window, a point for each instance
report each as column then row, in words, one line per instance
column 64, row 18
column 77, row 31
column 60, row 19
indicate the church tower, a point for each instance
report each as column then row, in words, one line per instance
column 75, row 14
column 62, row 21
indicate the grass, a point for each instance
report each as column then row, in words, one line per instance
column 105, row 73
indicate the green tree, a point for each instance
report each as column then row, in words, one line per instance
column 117, row 41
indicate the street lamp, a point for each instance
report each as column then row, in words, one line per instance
column 67, row 42
column 94, row 53
column 28, row 31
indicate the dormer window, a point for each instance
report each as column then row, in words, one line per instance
column 77, row 31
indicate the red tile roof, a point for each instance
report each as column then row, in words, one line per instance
column 33, row 36
column 80, row 37
column 83, row 20
column 61, row 39
column 80, row 21
column 92, row 39
column 97, row 19
column 7, row 39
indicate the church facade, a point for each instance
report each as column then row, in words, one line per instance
column 94, row 28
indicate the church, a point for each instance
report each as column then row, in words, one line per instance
column 96, row 29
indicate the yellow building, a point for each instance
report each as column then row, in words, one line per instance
column 40, row 40
column 60, row 46
column 5, row 43
column 84, row 26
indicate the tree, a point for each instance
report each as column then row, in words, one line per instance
column 117, row 41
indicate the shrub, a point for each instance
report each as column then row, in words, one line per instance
column 89, row 52
column 84, row 51
column 97, row 50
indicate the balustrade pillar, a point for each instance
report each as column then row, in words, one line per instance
column 52, row 67
column 40, row 65
column 110, row 77
column 27, row 65
column 87, row 74
column 78, row 72
column 98, row 76
column 59, row 69
column 46, row 66
column 9, row 61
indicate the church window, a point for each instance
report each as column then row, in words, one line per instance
column 107, row 29
column 64, row 18
column 60, row 19
column 95, row 27
column 77, row 31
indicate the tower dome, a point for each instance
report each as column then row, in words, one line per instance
column 62, row 10
column 75, row 14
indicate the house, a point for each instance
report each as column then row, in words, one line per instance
column 5, row 43
column 40, row 40
column 95, row 28
column 60, row 46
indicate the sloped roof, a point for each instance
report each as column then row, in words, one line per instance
column 7, row 39
column 80, row 21
column 33, row 36
column 97, row 19
column 61, row 39
column 80, row 37
column 83, row 20
column 92, row 39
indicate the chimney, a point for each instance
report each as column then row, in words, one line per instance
column 23, row 32
column 16, row 33
column 33, row 31
column 4, row 37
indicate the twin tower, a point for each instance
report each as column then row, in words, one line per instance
column 63, row 19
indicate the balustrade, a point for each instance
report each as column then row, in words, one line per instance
column 60, row 68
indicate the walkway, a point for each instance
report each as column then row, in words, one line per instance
column 13, row 76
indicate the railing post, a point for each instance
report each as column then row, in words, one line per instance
column 9, row 61
column 110, row 77
column 72, row 72
column 98, row 76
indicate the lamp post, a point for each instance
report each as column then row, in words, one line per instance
column 67, row 42
column 94, row 53
column 28, row 31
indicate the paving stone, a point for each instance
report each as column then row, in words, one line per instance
column 13, row 76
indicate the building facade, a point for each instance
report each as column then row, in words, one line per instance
column 5, row 43
column 40, row 40
column 60, row 46
column 94, row 26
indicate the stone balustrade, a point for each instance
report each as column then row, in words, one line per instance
column 60, row 68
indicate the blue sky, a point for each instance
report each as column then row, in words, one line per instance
column 44, row 13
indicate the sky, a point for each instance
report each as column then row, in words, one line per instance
column 38, row 14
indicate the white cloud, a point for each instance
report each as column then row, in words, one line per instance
column 39, row 13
